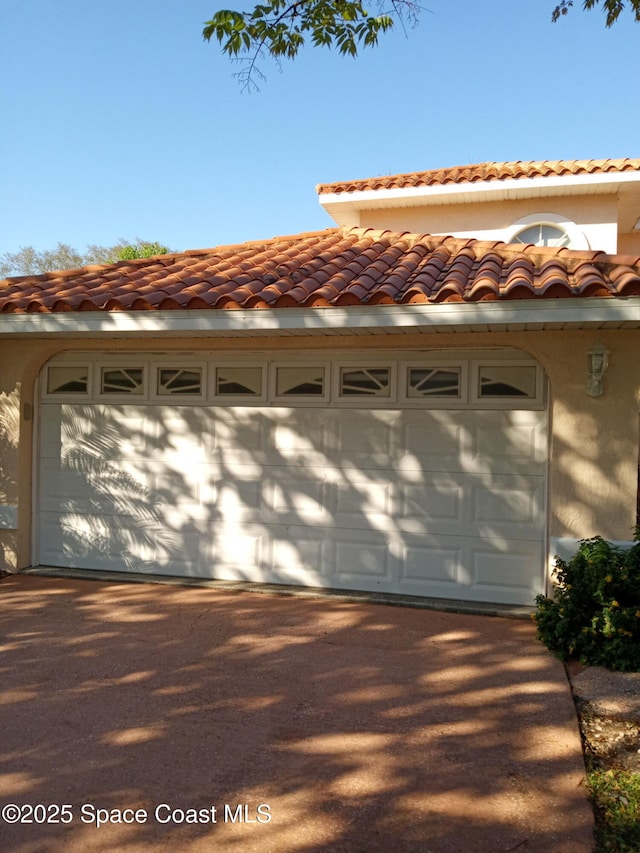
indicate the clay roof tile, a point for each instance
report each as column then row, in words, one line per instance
column 332, row 267
column 477, row 172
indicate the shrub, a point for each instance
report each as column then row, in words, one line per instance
column 594, row 614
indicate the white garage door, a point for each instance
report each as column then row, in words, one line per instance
column 443, row 495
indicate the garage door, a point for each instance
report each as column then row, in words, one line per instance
column 422, row 477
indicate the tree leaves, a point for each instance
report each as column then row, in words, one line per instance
column 29, row 261
column 280, row 29
column 612, row 9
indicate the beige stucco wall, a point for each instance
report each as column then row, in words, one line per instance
column 596, row 216
column 629, row 244
column 594, row 442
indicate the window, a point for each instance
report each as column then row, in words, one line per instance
column 431, row 378
column 507, row 381
column 543, row 235
column 179, row 380
column 239, row 381
column 300, row 381
column 68, row 380
column 433, row 382
column 122, row 380
column 365, row 382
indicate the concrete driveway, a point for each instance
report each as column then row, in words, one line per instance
column 199, row 720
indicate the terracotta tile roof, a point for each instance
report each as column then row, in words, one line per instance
column 483, row 172
column 328, row 268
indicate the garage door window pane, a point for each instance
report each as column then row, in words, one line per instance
column 239, row 381
column 300, row 381
column 67, row 380
column 433, row 382
column 367, row 382
column 172, row 380
column 122, row 380
column 507, row 381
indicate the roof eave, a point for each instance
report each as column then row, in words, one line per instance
column 533, row 314
column 344, row 207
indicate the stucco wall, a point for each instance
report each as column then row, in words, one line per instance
column 594, row 441
column 596, row 216
column 629, row 244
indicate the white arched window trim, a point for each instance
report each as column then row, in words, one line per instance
column 577, row 238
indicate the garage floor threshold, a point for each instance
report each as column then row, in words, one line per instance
column 446, row 605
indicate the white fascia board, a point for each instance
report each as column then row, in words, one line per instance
column 448, row 316
column 511, row 188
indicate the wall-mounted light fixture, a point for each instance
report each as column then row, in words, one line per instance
column 598, row 361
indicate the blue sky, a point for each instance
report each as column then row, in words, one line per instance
column 120, row 121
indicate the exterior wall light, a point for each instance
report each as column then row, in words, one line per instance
column 598, row 361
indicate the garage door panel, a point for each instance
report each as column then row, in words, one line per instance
column 432, row 441
column 299, row 557
column 241, row 554
column 297, row 432
column 508, row 442
column 507, row 576
column 99, row 431
column 301, row 498
column 359, row 559
column 361, row 441
column 432, row 503
column 358, row 497
column 96, row 487
column 422, row 566
column 238, row 499
column 454, row 567
column 236, row 428
column 101, row 541
column 514, row 505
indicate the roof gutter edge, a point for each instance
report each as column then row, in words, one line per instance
column 534, row 313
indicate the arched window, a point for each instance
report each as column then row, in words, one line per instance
column 543, row 235
column 547, row 229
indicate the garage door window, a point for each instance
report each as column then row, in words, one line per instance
column 365, row 382
column 121, row 380
column 433, row 382
column 430, row 380
column 507, row 381
column 239, row 381
column 183, row 381
column 68, row 380
column 300, row 381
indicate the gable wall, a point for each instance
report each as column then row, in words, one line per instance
column 629, row 244
column 596, row 216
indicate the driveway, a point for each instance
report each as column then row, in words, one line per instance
column 200, row 720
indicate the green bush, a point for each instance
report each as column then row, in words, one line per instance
column 594, row 614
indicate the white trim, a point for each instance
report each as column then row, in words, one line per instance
column 36, row 465
column 456, row 193
column 477, row 316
